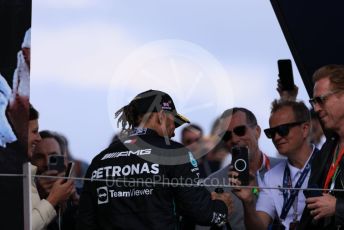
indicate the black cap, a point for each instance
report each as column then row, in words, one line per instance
column 155, row 101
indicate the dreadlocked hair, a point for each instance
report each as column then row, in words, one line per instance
column 128, row 117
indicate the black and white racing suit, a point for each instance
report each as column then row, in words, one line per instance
column 130, row 187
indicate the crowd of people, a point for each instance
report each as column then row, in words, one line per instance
column 146, row 180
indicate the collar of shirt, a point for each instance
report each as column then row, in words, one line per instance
column 295, row 172
column 263, row 169
column 265, row 164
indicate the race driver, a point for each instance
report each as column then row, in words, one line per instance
column 144, row 180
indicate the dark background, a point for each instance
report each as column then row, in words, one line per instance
column 314, row 31
column 15, row 19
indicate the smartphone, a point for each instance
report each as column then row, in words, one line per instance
column 56, row 162
column 240, row 163
column 285, row 74
column 69, row 169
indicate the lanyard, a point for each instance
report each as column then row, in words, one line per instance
column 333, row 168
column 287, row 202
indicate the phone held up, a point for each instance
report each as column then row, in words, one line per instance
column 56, row 162
column 285, row 73
column 69, row 169
column 240, row 163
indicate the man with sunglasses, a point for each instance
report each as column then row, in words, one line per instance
column 239, row 127
column 326, row 211
column 289, row 131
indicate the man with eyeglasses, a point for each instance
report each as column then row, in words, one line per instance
column 239, row 127
column 326, row 211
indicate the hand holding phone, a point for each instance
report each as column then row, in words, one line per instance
column 69, row 169
column 285, row 73
column 240, row 163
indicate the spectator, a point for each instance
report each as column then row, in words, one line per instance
column 240, row 128
column 80, row 167
column 289, row 131
column 18, row 108
column 43, row 210
column 13, row 153
column 327, row 211
column 14, row 113
column 147, row 154
column 193, row 139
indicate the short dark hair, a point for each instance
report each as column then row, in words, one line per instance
column 60, row 140
column 192, row 127
column 250, row 117
column 335, row 73
column 300, row 110
column 33, row 113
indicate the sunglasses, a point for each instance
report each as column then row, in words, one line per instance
column 320, row 100
column 239, row 131
column 282, row 130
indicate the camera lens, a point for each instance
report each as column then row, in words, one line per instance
column 240, row 165
column 53, row 160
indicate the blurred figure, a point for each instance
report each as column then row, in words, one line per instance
column 6, row 132
column 18, row 108
column 204, row 149
column 14, row 114
column 80, row 167
column 192, row 137
column 14, row 103
column 13, row 153
column 43, row 210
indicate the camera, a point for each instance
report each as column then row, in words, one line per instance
column 240, row 163
column 56, row 162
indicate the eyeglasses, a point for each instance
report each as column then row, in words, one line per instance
column 322, row 98
column 282, row 130
column 239, row 131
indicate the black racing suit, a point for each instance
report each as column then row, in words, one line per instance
column 128, row 187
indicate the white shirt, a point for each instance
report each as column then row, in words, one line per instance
column 226, row 161
column 270, row 201
column 42, row 211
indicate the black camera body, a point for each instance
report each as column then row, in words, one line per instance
column 240, row 163
column 56, row 162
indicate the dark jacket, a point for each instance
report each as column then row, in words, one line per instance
column 319, row 169
column 128, row 204
column 11, row 188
